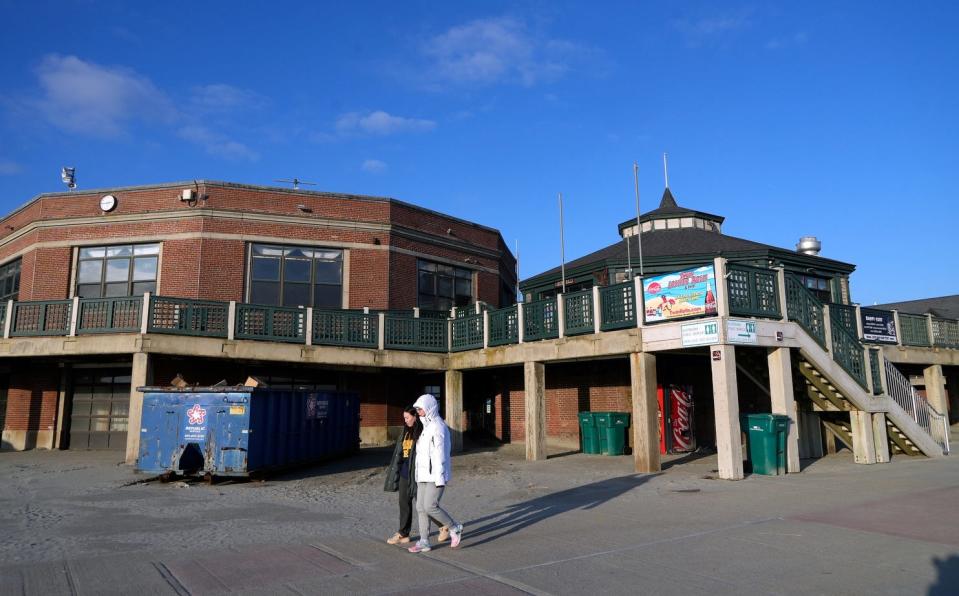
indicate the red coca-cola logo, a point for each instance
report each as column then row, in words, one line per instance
column 653, row 288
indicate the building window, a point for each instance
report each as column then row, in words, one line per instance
column 818, row 286
column 441, row 287
column 10, row 281
column 122, row 270
column 296, row 276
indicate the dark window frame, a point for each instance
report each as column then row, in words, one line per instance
column 260, row 286
column 432, row 275
column 10, row 276
column 83, row 289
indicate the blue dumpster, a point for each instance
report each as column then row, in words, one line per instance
column 236, row 431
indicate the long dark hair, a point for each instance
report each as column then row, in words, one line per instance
column 412, row 432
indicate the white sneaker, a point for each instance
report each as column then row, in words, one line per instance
column 456, row 534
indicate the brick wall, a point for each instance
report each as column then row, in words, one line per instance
column 32, row 398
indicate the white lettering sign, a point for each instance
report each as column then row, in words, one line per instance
column 701, row 334
column 741, row 332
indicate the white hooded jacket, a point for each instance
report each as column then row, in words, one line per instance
column 433, row 447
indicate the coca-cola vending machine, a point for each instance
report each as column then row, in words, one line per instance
column 682, row 431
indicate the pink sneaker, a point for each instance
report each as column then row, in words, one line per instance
column 420, row 548
column 456, row 534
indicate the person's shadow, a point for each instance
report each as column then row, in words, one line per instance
column 523, row 515
column 947, row 582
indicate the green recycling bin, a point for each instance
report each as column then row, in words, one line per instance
column 611, row 428
column 588, row 433
column 766, row 442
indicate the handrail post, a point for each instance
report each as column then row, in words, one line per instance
column 145, row 314
column 449, row 335
column 519, row 322
column 931, row 329
column 231, row 320
column 895, row 318
column 561, row 314
column 882, row 375
column 308, row 323
column 7, row 319
column 827, row 329
column 74, row 312
column 477, row 310
column 416, row 312
column 859, row 334
column 381, row 331
column 783, row 300
column 597, row 310
column 867, row 369
column 638, row 305
column 485, row 329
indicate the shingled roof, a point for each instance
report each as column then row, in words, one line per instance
column 669, row 208
column 946, row 307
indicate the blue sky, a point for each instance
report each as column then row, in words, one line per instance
column 839, row 120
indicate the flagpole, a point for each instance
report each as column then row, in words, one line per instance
column 562, row 246
column 639, row 225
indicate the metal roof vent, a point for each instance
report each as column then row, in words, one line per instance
column 809, row 245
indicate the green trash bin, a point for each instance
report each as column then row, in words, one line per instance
column 589, row 438
column 766, row 442
column 615, row 431
column 602, row 424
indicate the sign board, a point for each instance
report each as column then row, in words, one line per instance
column 679, row 295
column 741, row 332
column 878, row 326
column 700, row 334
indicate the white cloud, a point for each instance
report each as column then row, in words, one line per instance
column 487, row 51
column 708, row 30
column 374, row 166
column 217, row 144
column 8, row 168
column 83, row 97
column 223, row 97
column 380, row 123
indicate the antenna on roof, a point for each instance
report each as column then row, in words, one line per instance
column 639, row 225
column 69, row 177
column 666, row 169
column 296, row 182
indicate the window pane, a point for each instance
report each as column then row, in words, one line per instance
column 296, row 294
column 328, row 272
column 463, row 300
column 464, row 287
column 266, row 268
column 265, row 292
column 328, row 255
column 118, row 270
column 95, row 252
column 145, row 268
column 119, row 251
column 146, row 249
column 118, row 424
column 301, row 253
column 90, row 271
column 427, row 266
column 425, row 301
column 142, row 287
column 445, row 269
column 117, row 289
column 101, row 408
column 89, row 291
column 100, row 424
column 120, row 407
column 444, row 286
column 296, row 270
column 444, row 304
column 464, row 273
column 427, row 283
column 267, row 251
column 328, row 296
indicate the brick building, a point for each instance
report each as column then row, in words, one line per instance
column 218, row 241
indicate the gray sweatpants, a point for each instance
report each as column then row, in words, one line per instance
column 428, row 497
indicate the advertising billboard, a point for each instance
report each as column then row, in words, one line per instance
column 679, row 295
column 878, row 326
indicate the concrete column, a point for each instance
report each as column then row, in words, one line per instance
column 231, row 320
column 485, row 329
column 828, row 439
column 881, row 437
column 381, row 331
column 895, row 318
column 308, row 326
column 520, row 322
column 863, row 439
column 454, row 408
column 535, row 388
column 783, row 400
column 935, row 388
column 74, row 316
column 145, row 314
column 7, row 319
column 726, row 403
column 141, row 375
column 638, row 301
column 722, row 297
column 783, row 300
column 561, row 314
column 597, row 310
column 642, row 371
column 827, row 327
column 56, row 438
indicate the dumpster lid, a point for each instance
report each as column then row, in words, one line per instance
column 198, row 389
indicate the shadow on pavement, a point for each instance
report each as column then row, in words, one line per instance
column 947, row 580
column 523, row 515
column 688, row 458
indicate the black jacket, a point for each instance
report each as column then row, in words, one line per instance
column 392, row 483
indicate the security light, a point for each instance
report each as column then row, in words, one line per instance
column 68, row 175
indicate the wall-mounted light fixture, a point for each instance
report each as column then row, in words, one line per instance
column 304, row 208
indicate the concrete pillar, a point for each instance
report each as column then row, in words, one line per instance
column 141, row 375
column 828, row 439
column 881, row 437
column 726, row 403
column 57, row 441
column 535, row 388
column 642, row 371
column 863, row 438
column 454, row 408
column 935, row 388
column 784, row 401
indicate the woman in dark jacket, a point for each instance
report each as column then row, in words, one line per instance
column 399, row 476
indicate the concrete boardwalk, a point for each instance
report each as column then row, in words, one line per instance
column 570, row 525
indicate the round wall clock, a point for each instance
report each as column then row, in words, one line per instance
column 108, row 203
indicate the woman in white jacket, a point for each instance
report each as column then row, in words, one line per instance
column 432, row 469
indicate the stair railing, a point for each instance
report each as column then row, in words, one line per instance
column 935, row 424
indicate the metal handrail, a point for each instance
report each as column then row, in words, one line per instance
column 935, row 424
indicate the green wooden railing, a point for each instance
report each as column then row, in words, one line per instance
column 753, row 292
column 46, row 317
column 804, row 308
column 539, row 320
column 844, row 315
column 109, row 315
column 271, row 323
column 618, row 306
column 407, row 333
column 504, row 326
column 914, row 330
column 578, row 312
column 467, row 333
column 846, row 350
column 875, row 365
column 186, row 316
column 945, row 333
column 434, row 314
column 345, row 328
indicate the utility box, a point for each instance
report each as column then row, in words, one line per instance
column 237, row 431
